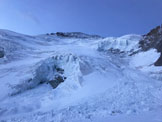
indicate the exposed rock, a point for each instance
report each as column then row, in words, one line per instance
column 57, row 80
column 52, row 33
column 76, row 35
column 2, row 53
column 153, row 40
column 159, row 61
column 60, row 70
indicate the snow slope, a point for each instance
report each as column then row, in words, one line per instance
column 99, row 86
column 129, row 46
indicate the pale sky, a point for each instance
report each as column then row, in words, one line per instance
column 102, row 17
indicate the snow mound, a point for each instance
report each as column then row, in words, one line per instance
column 125, row 43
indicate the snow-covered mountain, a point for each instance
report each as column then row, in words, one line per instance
column 76, row 77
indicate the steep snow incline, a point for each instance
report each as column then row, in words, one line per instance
column 144, row 61
column 151, row 41
column 99, row 87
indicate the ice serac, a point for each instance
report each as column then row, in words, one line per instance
column 153, row 39
column 69, row 63
column 124, row 44
column 63, row 66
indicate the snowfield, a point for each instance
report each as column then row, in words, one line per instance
column 103, row 81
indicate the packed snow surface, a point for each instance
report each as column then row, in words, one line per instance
column 99, row 87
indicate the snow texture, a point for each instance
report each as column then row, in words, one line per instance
column 100, row 86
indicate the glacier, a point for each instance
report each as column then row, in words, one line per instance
column 107, row 79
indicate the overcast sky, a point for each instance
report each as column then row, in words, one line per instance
column 103, row 17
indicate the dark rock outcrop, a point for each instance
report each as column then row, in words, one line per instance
column 58, row 77
column 2, row 53
column 159, row 61
column 153, row 40
column 76, row 35
column 57, row 80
